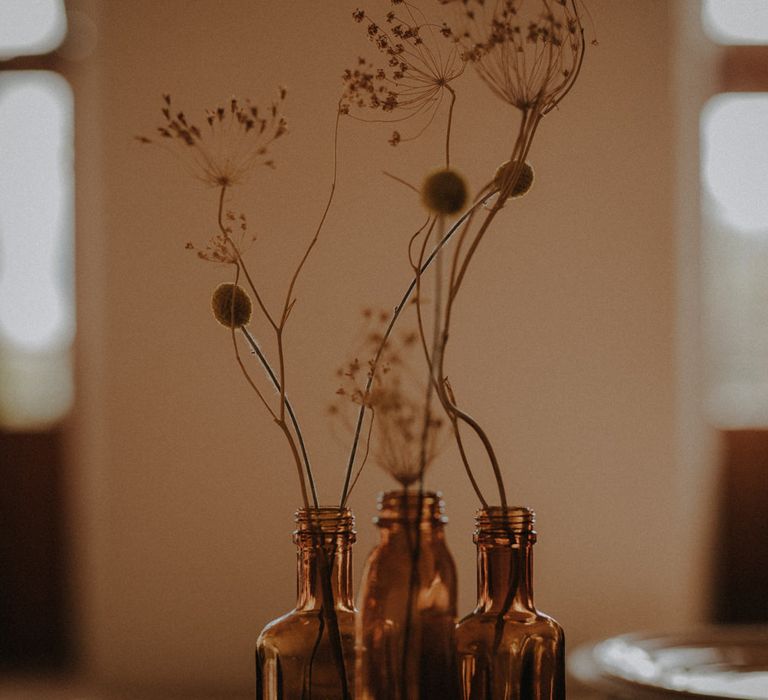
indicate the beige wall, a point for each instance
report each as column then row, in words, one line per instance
column 565, row 345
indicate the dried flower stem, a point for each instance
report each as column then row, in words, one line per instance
column 239, row 359
column 289, row 408
column 278, row 379
column 385, row 337
column 328, row 612
column 535, row 89
column 366, row 453
column 289, row 300
column 278, row 418
column 239, row 258
column 448, row 127
column 328, row 618
column 426, row 430
column 439, row 384
column 528, row 126
column 413, row 577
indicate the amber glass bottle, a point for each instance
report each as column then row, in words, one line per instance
column 508, row 650
column 308, row 654
column 405, row 627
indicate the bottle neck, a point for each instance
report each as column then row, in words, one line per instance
column 505, row 577
column 505, row 539
column 324, row 539
column 404, row 513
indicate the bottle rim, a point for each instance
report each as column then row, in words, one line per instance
column 497, row 522
column 402, row 506
column 328, row 521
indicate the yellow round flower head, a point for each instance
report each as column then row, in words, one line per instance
column 524, row 181
column 231, row 305
column 444, row 192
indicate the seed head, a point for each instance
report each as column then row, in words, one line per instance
column 444, row 192
column 231, row 305
column 523, row 177
column 529, row 54
column 412, row 79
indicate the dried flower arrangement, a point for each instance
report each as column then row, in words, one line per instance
column 529, row 55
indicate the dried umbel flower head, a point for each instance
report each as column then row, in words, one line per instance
column 401, row 441
column 231, row 305
column 444, row 192
column 528, row 53
column 511, row 171
column 418, row 69
column 232, row 141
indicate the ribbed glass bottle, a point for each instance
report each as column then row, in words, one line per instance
column 308, row 654
column 508, row 650
column 405, row 626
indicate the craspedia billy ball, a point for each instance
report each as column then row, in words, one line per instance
column 524, row 180
column 231, row 305
column 444, row 192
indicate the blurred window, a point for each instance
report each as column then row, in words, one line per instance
column 736, row 21
column 734, row 171
column 36, row 218
column 31, row 27
column 734, row 197
column 734, row 129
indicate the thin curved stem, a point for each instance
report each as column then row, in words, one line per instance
column 465, row 460
column 436, row 381
column 289, row 293
column 503, row 196
column 523, row 142
column 450, row 406
column 297, row 460
column 289, row 301
column 328, row 610
column 248, row 378
column 367, row 451
column 448, row 128
column 245, row 372
column 291, row 414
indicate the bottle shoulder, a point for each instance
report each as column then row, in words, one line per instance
column 525, row 623
column 295, row 624
column 279, row 626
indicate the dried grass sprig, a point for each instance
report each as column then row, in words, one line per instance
column 406, row 441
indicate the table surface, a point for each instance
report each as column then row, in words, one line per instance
column 63, row 688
